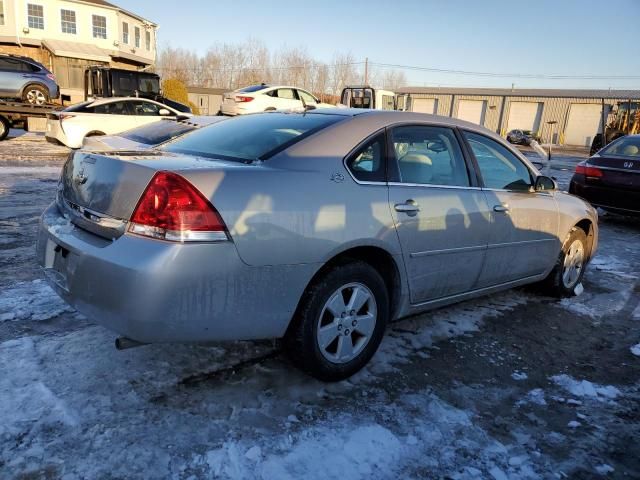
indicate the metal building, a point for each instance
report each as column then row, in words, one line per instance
column 578, row 114
column 208, row 100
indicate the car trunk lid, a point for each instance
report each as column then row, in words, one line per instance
column 621, row 172
column 99, row 191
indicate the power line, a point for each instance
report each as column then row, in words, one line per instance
column 539, row 76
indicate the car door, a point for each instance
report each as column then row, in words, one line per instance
column 286, row 99
column 148, row 112
column 523, row 240
column 11, row 77
column 112, row 117
column 440, row 214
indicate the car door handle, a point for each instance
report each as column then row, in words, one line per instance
column 410, row 207
column 504, row 208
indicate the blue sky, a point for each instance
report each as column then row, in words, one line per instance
column 565, row 37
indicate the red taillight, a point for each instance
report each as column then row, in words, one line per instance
column 64, row 116
column 585, row 169
column 172, row 209
column 51, row 76
column 243, row 99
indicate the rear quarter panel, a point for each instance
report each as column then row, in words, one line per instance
column 301, row 206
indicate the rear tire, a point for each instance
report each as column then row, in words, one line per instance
column 569, row 269
column 35, row 95
column 340, row 322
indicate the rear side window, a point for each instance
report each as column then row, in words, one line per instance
column 251, row 137
column 500, row 169
column 113, row 108
column 429, row 155
column 367, row 164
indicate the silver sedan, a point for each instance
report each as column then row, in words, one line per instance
column 319, row 228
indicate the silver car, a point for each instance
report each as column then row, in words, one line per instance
column 319, row 228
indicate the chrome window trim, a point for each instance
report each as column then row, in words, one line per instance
column 431, row 185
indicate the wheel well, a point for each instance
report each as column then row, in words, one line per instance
column 33, row 84
column 95, row 133
column 379, row 259
column 587, row 227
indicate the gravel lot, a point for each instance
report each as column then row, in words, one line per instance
column 509, row 386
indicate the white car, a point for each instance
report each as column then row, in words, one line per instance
column 106, row 116
column 264, row 98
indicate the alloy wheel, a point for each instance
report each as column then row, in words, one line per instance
column 573, row 264
column 36, row 97
column 346, row 323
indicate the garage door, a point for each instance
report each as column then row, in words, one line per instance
column 524, row 116
column 583, row 123
column 472, row 111
column 424, row 105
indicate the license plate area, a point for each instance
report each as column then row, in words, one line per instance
column 56, row 264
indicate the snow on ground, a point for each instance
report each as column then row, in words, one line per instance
column 584, row 388
column 492, row 388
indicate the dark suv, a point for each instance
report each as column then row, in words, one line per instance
column 25, row 79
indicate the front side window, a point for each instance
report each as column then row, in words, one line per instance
column 307, row 97
column 125, row 32
column 500, row 168
column 137, row 36
column 251, row 137
column 35, row 16
column 145, row 108
column 68, row 21
column 429, row 155
column 367, row 163
column 99, row 26
column 624, row 147
column 147, row 40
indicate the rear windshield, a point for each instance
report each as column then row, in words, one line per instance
column 624, row 147
column 252, row 88
column 251, row 137
column 158, row 132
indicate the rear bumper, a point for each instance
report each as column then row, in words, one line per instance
column 612, row 198
column 156, row 291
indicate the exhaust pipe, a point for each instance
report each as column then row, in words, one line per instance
column 122, row 343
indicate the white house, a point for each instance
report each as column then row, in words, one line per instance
column 68, row 35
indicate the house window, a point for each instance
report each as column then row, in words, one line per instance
column 1, row 12
column 35, row 15
column 68, row 19
column 125, row 32
column 147, row 39
column 137, row 35
column 99, row 26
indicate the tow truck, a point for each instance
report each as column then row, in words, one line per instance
column 365, row 96
column 99, row 82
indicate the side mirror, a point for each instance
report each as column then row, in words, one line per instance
column 545, row 184
column 164, row 112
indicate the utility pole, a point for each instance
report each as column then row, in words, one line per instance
column 366, row 70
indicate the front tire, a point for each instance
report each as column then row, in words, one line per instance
column 4, row 128
column 339, row 323
column 570, row 266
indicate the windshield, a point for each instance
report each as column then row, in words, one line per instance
column 251, row 137
column 624, row 147
column 158, row 132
